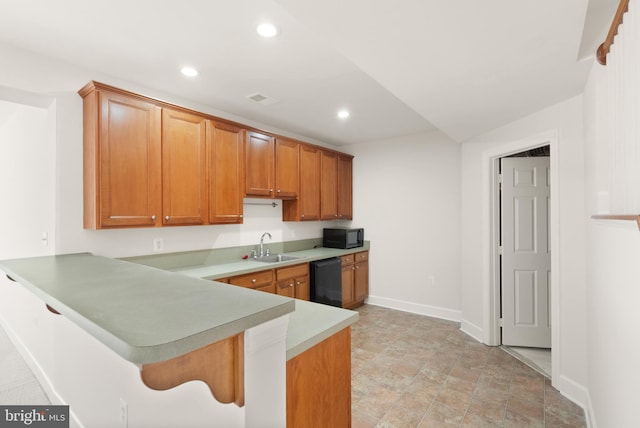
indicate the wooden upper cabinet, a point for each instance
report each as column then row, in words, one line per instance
column 307, row 206
column 122, row 160
column 345, row 186
column 309, row 183
column 226, row 172
column 287, row 168
column 148, row 163
column 328, row 185
column 259, row 165
column 184, row 168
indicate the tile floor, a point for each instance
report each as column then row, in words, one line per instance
column 408, row 371
column 537, row 358
column 18, row 385
column 415, row 371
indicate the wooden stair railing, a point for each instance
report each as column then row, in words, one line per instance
column 603, row 49
column 631, row 217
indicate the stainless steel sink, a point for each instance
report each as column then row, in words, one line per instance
column 275, row 258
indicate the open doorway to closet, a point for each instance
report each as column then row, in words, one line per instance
column 524, row 255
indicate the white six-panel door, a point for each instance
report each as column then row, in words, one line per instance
column 526, row 256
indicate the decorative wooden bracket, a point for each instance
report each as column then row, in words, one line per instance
column 632, row 217
column 219, row 365
column 53, row 311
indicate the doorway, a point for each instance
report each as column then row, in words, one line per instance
column 525, row 256
column 27, row 179
column 492, row 334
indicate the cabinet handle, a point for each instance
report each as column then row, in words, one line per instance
column 240, row 216
column 301, row 215
column 270, row 190
column 357, row 266
column 291, row 285
column 353, row 268
column 153, row 217
column 167, row 218
column 298, row 283
column 278, row 190
column 253, row 280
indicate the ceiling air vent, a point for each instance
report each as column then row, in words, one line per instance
column 262, row 99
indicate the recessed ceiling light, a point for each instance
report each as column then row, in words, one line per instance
column 343, row 114
column 267, row 29
column 189, row 71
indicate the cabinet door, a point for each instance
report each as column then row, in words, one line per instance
column 348, row 294
column 309, row 198
column 345, row 172
column 128, row 158
column 184, row 163
column 303, row 290
column 259, row 165
column 361, row 281
column 268, row 288
column 287, row 168
column 226, row 173
column 286, row 288
column 328, row 185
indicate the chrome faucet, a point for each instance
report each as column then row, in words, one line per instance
column 262, row 243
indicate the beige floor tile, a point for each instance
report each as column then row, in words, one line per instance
column 415, row 371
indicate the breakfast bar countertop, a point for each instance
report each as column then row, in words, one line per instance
column 142, row 313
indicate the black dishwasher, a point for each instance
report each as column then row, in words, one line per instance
column 326, row 281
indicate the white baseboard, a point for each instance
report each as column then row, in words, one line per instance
column 588, row 413
column 472, row 330
column 416, row 308
column 38, row 372
column 579, row 395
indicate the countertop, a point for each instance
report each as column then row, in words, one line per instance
column 238, row 267
column 143, row 314
column 148, row 314
column 310, row 323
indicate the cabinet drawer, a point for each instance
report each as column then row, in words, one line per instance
column 361, row 257
column 292, row 271
column 253, row 280
column 347, row 260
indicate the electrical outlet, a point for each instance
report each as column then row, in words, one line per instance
column 124, row 414
column 431, row 280
column 158, row 244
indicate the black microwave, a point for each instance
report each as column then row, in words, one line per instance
column 342, row 238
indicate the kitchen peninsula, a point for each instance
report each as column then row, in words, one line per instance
column 150, row 316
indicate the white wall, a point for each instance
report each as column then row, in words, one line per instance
column 36, row 74
column 612, row 274
column 46, row 182
column 407, row 197
column 566, row 119
column 27, row 181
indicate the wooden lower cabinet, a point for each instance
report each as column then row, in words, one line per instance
column 355, row 279
column 290, row 281
column 361, row 277
column 319, row 385
column 261, row 281
column 293, row 281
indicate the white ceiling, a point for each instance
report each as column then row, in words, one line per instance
column 401, row 67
